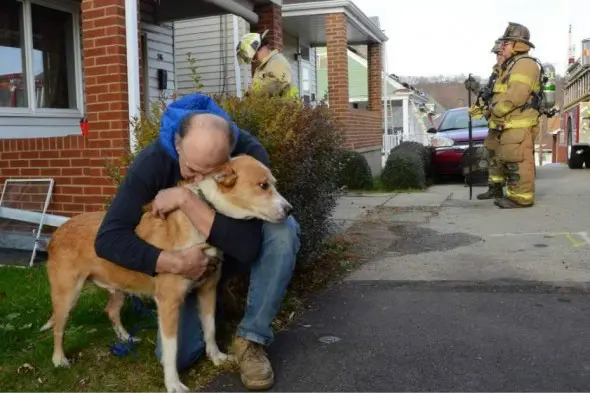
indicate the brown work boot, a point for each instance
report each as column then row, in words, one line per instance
column 255, row 368
column 494, row 191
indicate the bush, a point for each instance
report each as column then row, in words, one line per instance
column 356, row 173
column 404, row 170
column 417, row 148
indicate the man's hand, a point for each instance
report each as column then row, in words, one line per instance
column 168, row 200
column 191, row 262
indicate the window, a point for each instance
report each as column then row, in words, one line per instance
column 459, row 119
column 40, row 70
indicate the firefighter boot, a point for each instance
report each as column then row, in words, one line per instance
column 505, row 203
column 494, row 191
column 255, row 369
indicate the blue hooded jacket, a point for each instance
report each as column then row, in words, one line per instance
column 156, row 168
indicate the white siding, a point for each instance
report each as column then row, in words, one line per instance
column 210, row 41
column 160, row 55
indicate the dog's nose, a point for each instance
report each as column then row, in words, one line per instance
column 288, row 209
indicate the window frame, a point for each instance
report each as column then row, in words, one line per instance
column 32, row 111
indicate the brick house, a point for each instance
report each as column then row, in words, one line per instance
column 64, row 60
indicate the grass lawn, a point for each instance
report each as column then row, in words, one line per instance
column 25, row 353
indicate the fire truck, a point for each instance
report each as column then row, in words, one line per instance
column 575, row 112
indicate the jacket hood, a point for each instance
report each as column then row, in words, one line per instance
column 177, row 110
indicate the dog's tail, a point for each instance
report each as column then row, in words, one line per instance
column 48, row 325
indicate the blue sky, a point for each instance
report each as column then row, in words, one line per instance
column 432, row 37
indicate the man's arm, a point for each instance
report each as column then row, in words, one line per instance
column 523, row 78
column 116, row 240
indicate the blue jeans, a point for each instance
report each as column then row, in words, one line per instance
column 270, row 275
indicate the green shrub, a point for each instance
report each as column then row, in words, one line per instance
column 404, row 170
column 356, row 173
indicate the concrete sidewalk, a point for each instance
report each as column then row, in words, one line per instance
column 355, row 206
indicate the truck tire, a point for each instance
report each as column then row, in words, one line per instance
column 575, row 161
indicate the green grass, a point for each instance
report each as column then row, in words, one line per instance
column 378, row 188
column 25, row 352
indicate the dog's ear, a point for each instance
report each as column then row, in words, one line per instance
column 226, row 176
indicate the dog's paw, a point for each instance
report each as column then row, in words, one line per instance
column 61, row 361
column 220, row 358
column 176, row 387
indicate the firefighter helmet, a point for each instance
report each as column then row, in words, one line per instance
column 518, row 33
column 248, row 46
column 497, row 47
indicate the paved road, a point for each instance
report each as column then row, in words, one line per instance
column 463, row 298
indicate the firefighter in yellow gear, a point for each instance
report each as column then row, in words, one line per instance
column 492, row 143
column 514, row 116
column 273, row 71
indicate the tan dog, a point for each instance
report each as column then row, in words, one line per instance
column 242, row 189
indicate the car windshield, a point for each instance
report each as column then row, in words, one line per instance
column 456, row 120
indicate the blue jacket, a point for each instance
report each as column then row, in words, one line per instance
column 156, row 168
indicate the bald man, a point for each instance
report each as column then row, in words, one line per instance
column 191, row 143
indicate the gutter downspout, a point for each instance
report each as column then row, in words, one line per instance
column 235, row 8
column 237, row 69
column 132, row 41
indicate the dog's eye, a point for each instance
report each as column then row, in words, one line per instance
column 264, row 186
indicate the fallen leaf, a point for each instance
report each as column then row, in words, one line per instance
column 12, row 316
column 24, row 368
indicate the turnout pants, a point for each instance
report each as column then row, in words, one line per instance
column 495, row 167
column 517, row 158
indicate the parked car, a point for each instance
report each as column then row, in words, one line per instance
column 451, row 140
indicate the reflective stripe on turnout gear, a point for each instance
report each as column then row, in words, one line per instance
column 516, row 123
column 521, row 198
column 496, row 179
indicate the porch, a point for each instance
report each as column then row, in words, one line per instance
column 336, row 24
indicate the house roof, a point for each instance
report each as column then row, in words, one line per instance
column 306, row 19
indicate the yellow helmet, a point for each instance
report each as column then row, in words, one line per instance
column 518, row 33
column 248, row 46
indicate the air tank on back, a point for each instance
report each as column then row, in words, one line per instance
column 585, row 52
column 549, row 85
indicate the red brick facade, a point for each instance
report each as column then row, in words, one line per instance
column 75, row 162
column 337, row 58
column 362, row 128
column 270, row 17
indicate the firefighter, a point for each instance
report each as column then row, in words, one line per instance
column 492, row 143
column 273, row 71
column 515, row 116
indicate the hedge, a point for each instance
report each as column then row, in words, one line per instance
column 408, row 166
column 356, row 173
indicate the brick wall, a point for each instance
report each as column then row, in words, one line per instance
column 77, row 163
column 270, row 17
column 337, row 59
column 363, row 129
column 375, row 78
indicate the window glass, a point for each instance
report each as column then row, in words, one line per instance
column 12, row 62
